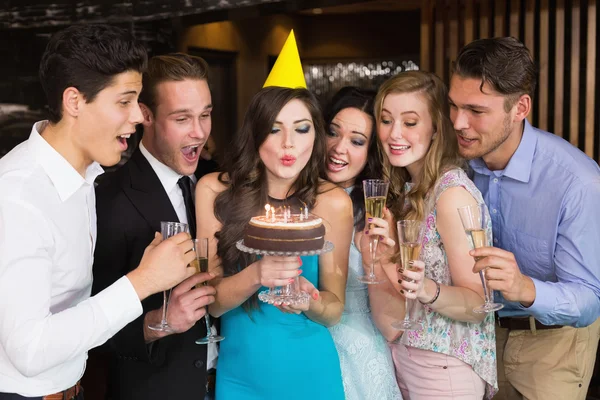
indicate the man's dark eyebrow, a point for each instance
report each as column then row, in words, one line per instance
column 470, row 106
column 476, row 107
column 188, row 111
column 128, row 92
column 180, row 111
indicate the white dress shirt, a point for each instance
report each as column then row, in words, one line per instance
column 48, row 321
column 169, row 178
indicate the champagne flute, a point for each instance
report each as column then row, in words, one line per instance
column 410, row 237
column 375, row 191
column 201, row 265
column 475, row 219
column 167, row 229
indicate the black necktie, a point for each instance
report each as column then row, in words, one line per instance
column 185, row 183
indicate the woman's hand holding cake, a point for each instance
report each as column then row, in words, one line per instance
column 307, row 287
column 278, row 271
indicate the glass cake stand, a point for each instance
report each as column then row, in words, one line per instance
column 288, row 294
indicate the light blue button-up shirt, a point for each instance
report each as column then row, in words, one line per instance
column 545, row 209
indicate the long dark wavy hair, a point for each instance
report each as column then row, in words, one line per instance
column 363, row 100
column 245, row 174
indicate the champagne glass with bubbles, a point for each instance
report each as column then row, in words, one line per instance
column 475, row 219
column 200, row 264
column 375, row 191
column 410, row 238
column 167, row 229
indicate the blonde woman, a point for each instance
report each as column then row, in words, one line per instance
column 453, row 354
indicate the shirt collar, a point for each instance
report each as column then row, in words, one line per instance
column 519, row 166
column 166, row 175
column 63, row 175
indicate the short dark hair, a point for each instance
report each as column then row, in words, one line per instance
column 363, row 100
column 504, row 63
column 170, row 67
column 87, row 57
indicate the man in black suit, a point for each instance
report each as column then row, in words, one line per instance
column 156, row 185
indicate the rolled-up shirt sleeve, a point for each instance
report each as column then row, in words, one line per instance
column 575, row 298
column 34, row 338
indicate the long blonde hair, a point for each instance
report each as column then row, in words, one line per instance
column 442, row 154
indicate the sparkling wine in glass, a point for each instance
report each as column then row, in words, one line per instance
column 376, row 191
column 410, row 237
column 168, row 229
column 475, row 219
column 201, row 265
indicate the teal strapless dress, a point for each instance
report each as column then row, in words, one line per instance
column 268, row 354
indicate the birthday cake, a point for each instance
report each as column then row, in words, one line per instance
column 295, row 232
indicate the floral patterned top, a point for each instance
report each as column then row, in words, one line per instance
column 474, row 344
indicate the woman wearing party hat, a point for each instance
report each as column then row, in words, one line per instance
column 276, row 158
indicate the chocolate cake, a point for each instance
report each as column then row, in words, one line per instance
column 295, row 233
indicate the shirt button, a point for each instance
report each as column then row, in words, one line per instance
column 495, row 240
column 494, row 211
column 198, row 364
column 495, row 180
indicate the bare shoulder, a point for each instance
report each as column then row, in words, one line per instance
column 332, row 198
column 210, row 183
column 453, row 198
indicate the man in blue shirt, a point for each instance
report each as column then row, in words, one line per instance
column 543, row 197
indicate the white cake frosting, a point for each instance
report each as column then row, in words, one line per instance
column 293, row 222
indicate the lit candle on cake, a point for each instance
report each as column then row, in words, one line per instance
column 285, row 215
column 267, row 208
column 301, row 214
column 306, row 212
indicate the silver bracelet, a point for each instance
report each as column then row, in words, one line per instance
column 437, row 294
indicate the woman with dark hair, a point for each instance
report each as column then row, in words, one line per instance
column 352, row 156
column 276, row 158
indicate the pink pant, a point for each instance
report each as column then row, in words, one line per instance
column 426, row 375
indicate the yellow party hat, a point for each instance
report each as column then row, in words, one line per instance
column 287, row 71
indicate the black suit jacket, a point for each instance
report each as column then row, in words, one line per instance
column 130, row 204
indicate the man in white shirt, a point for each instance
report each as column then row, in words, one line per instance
column 91, row 75
column 156, row 185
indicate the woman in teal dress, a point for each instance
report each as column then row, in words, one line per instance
column 276, row 158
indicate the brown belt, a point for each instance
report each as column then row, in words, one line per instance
column 68, row 394
column 523, row 324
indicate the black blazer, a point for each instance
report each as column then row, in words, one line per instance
column 130, row 204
